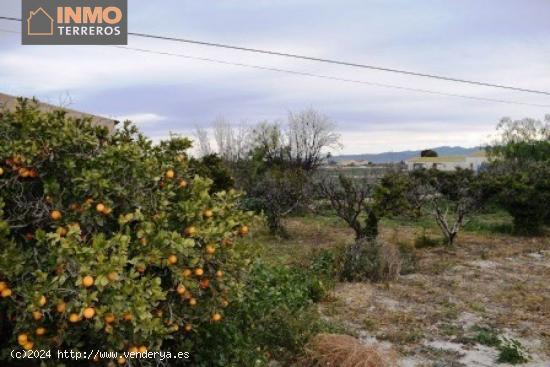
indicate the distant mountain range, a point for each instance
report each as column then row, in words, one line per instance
column 393, row 157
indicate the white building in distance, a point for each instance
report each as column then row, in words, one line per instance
column 449, row 163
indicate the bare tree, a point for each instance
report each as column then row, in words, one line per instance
column 353, row 201
column 203, row 142
column 450, row 197
column 308, row 133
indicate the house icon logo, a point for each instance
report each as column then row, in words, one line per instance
column 39, row 23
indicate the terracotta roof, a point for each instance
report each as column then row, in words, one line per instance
column 10, row 102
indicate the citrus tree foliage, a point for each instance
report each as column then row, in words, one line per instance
column 108, row 241
column 518, row 177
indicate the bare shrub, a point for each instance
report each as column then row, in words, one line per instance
column 346, row 351
column 371, row 259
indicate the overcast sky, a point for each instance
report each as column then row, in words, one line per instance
column 498, row 41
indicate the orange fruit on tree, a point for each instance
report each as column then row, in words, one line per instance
column 100, row 208
column 61, row 307
column 192, row 302
column 55, row 215
column 1, row 171
column 204, row 283
column 6, row 293
column 127, row 316
column 182, row 184
column 188, row 327
column 121, row 360
column 42, row 300
column 133, row 349
column 88, row 281
column 210, row 249
column 243, row 230
column 172, row 259
column 169, row 174
column 40, row 331
column 112, row 276
column 22, row 338
column 190, row 231
column 208, row 213
column 199, row 272
column 143, row 349
column 216, row 317
column 219, row 274
column 88, row 312
column 109, row 318
column 186, row 273
column 37, row 315
column 3, row 285
column 181, row 289
column 74, row 318
column 28, row 345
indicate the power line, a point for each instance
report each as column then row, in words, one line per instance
column 329, row 61
column 320, row 76
column 328, row 77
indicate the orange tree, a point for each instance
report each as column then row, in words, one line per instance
column 107, row 241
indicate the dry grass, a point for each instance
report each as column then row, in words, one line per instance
column 345, row 351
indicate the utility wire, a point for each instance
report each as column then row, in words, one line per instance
column 328, row 77
column 320, row 76
column 329, row 61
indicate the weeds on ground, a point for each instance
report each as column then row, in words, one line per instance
column 510, row 350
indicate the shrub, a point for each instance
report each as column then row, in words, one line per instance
column 511, row 351
column 274, row 318
column 109, row 242
column 371, row 259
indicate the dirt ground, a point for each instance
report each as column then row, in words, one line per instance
column 431, row 316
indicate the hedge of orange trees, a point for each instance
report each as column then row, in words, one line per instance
column 108, row 242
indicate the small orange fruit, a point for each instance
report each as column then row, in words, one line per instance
column 55, row 215
column 42, row 300
column 88, row 312
column 88, row 281
column 204, row 283
column 192, row 302
column 188, row 327
column 112, row 276
column 243, row 231
column 128, row 316
column 210, row 249
column 22, row 338
column 28, row 345
column 109, row 318
column 143, row 349
column 199, row 272
column 169, row 174
column 121, row 360
column 182, row 184
column 133, row 349
column 181, row 289
column 61, row 307
column 219, row 274
column 40, row 331
column 208, row 213
column 3, row 285
column 216, row 317
column 37, row 315
column 172, row 259
column 190, row 231
column 186, row 273
column 100, row 208
column 74, row 318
